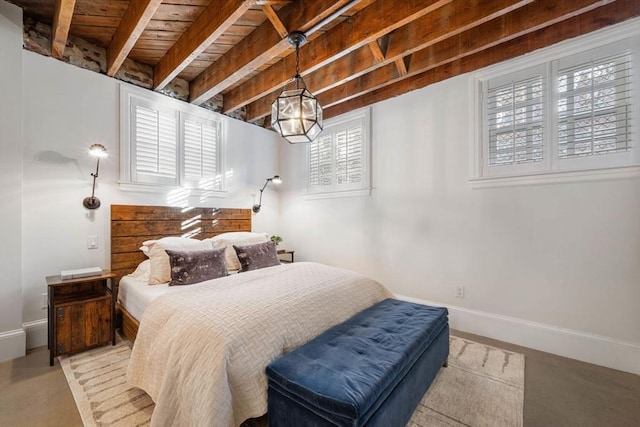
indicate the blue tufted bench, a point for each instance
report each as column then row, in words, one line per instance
column 371, row 370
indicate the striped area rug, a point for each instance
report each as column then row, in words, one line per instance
column 97, row 379
column 483, row 386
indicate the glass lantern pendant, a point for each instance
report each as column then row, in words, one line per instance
column 296, row 113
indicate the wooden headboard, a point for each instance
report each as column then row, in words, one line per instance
column 131, row 225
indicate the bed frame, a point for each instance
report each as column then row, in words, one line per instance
column 131, row 225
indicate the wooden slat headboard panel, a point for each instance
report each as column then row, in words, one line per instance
column 131, row 225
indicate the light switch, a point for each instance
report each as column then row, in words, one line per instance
column 92, row 242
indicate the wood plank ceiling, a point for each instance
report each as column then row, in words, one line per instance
column 358, row 52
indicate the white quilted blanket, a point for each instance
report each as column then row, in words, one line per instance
column 200, row 352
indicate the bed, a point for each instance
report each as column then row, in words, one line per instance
column 200, row 350
column 131, row 225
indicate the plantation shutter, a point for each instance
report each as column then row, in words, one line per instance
column 321, row 162
column 349, row 155
column 338, row 157
column 201, row 139
column 155, row 145
column 515, row 113
column 594, row 107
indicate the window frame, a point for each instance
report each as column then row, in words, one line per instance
column 129, row 97
column 622, row 36
column 332, row 126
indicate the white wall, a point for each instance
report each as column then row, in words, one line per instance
column 546, row 260
column 12, row 336
column 66, row 109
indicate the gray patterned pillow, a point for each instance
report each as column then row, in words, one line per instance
column 189, row 267
column 260, row 255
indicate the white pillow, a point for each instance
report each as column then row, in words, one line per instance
column 160, row 268
column 238, row 238
column 141, row 272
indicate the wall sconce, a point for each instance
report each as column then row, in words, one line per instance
column 98, row 151
column 276, row 180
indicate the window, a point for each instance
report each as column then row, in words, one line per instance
column 338, row 159
column 201, row 142
column 515, row 108
column 594, row 106
column 167, row 143
column 154, row 144
column 567, row 112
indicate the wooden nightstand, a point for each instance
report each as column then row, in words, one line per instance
column 80, row 313
column 286, row 252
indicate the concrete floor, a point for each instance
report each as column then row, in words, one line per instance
column 558, row 392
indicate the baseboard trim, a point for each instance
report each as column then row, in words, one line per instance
column 591, row 348
column 37, row 332
column 12, row 344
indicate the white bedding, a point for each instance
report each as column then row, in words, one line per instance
column 201, row 351
column 136, row 294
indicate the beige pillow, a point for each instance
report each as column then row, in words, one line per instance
column 160, row 269
column 237, row 238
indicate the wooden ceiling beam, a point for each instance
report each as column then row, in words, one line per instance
column 272, row 16
column 401, row 66
column 443, row 23
column 132, row 24
column 61, row 24
column 369, row 24
column 260, row 46
column 376, row 50
column 272, row 2
column 208, row 26
column 595, row 19
column 507, row 27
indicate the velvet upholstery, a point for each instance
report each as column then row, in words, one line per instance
column 259, row 255
column 188, row 267
column 371, row 370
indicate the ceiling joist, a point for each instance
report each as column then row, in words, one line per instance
column 208, row 26
column 401, row 66
column 272, row 15
column 61, row 24
column 132, row 24
column 376, row 51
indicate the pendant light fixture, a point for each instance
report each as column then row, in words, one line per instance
column 296, row 113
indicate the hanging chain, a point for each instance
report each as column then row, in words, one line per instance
column 297, row 76
column 297, row 59
column 297, row 38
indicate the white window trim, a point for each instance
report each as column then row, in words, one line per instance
column 477, row 176
column 365, row 188
column 127, row 92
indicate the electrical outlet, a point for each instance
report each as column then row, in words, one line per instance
column 92, row 242
column 43, row 301
column 459, row 291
